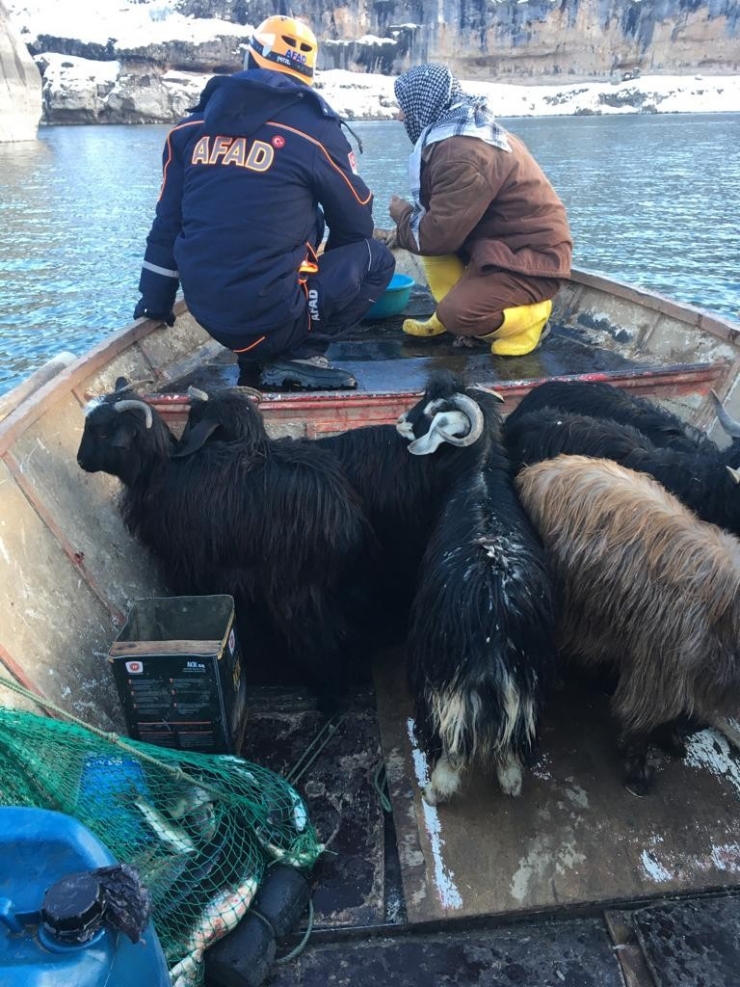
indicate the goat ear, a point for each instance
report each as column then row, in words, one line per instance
column 446, row 426
column 121, row 384
column 195, row 438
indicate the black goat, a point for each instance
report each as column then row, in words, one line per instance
column 401, row 495
column 481, row 640
column 605, row 401
column 272, row 522
column 548, row 432
column 706, row 480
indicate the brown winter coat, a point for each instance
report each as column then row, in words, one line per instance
column 493, row 208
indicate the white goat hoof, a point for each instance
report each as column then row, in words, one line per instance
column 430, row 795
column 444, row 782
column 509, row 775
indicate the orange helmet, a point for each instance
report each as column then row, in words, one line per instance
column 284, row 44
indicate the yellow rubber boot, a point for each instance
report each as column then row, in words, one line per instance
column 442, row 274
column 430, row 327
column 521, row 330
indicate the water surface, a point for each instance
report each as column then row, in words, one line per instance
column 652, row 200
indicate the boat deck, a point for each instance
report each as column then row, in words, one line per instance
column 391, row 370
column 576, row 882
column 384, row 359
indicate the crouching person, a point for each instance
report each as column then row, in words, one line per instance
column 492, row 233
column 252, row 180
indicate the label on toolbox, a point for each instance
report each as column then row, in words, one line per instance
column 174, row 701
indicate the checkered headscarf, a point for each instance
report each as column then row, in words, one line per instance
column 435, row 108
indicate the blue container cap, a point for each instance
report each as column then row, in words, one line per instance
column 39, row 848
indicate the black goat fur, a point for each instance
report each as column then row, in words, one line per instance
column 481, row 642
column 401, row 495
column 596, row 399
column 700, row 479
column 272, row 522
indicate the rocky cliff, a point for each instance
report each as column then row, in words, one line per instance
column 20, row 85
column 527, row 41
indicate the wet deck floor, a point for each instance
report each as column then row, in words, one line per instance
column 384, row 360
column 578, row 882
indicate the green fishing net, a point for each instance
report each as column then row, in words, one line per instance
column 200, row 829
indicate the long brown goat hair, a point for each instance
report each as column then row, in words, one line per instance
column 642, row 586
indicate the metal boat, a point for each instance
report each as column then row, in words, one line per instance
column 577, row 882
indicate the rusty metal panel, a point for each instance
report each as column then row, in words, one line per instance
column 169, row 345
column 129, row 363
column 617, row 321
column 54, row 627
column 80, row 508
column 672, row 339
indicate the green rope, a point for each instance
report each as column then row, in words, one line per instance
column 380, row 782
column 304, row 941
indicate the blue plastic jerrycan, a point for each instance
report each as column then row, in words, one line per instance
column 39, row 918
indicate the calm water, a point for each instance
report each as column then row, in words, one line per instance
column 652, row 199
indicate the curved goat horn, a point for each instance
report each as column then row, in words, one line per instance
column 490, row 390
column 251, row 392
column 137, row 405
column 728, row 423
column 195, row 392
column 475, row 416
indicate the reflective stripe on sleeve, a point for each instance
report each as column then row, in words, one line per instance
column 164, row 271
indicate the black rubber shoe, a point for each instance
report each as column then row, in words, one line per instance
column 312, row 374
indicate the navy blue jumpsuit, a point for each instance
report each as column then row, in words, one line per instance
column 251, row 182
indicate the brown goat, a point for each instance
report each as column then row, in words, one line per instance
column 646, row 589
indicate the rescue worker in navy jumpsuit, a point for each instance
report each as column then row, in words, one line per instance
column 252, row 180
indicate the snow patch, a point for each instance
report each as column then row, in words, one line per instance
column 708, row 749
column 444, row 879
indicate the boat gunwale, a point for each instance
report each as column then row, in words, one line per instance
column 32, row 406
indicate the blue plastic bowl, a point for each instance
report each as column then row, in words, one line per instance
column 394, row 300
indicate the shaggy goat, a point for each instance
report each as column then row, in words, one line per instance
column 401, row 495
column 480, row 646
column 599, row 400
column 704, row 480
column 645, row 589
column 273, row 523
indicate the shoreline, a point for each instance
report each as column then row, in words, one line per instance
column 370, row 97
column 81, row 91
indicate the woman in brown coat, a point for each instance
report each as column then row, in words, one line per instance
column 491, row 231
